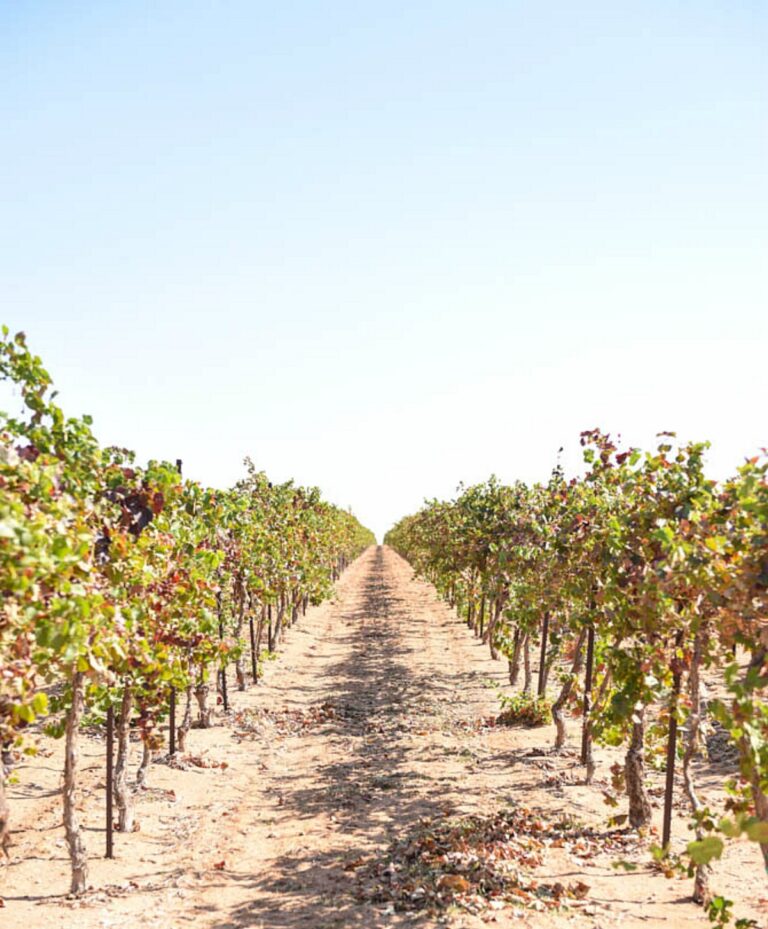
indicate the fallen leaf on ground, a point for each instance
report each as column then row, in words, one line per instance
column 454, row 882
column 351, row 865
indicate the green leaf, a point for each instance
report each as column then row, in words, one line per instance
column 40, row 704
column 730, row 828
column 624, row 865
column 757, row 831
column 26, row 713
column 706, row 850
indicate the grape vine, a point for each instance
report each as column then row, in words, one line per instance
column 125, row 586
column 641, row 576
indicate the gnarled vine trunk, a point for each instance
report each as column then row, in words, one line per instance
column 761, row 810
column 204, row 711
column 278, row 630
column 550, row 658
column 528, row 680
column 558, row 707
column 123, row 796
column 589, row 758
column 186, row 723
column 470, row 610
column 493, row 621
column 242, row 682
column 143, row 769
column 489, row 628
column 634, row 772
column 514, row 661
column 75, row 843
column 747, row 751
column 703, row 871
column 5, row 838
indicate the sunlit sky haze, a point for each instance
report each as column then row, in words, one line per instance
column 384, row 248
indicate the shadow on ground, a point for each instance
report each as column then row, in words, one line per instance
column 377, row 696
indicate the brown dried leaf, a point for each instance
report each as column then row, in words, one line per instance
column 454, row 883
column 579, row 890
column 351, row 865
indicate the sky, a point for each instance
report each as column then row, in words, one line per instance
column 383, row 248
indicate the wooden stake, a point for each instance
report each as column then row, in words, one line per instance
column 172, row 723
column 254, row 669
column 110, row 853
column 586, row 730
column 223, row 672
column 543, row 658
column 671, row 748
column 172, row 702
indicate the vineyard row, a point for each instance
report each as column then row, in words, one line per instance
column 642, row 577
column 129, row 590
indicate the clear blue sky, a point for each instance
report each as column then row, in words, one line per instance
column 387, row 247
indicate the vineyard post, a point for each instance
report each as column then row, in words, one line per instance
column 270, row 641
column 259, row 634
column 172, row 700
column 543, row 659
column 223, row 670
column 172, row 722
column 254, row 669
column 110, row 779
column 671, row 746
column 586, row 729
column 279, row 619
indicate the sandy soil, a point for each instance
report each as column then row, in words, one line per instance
column 365, row 726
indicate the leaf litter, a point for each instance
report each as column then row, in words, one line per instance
column 482, row 862
column 267, row 722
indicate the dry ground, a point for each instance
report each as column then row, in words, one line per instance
column 365, row 726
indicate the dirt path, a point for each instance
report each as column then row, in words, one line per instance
column 366, row 726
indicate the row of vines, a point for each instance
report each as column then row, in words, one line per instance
column 642, row 579
column 127, row 588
